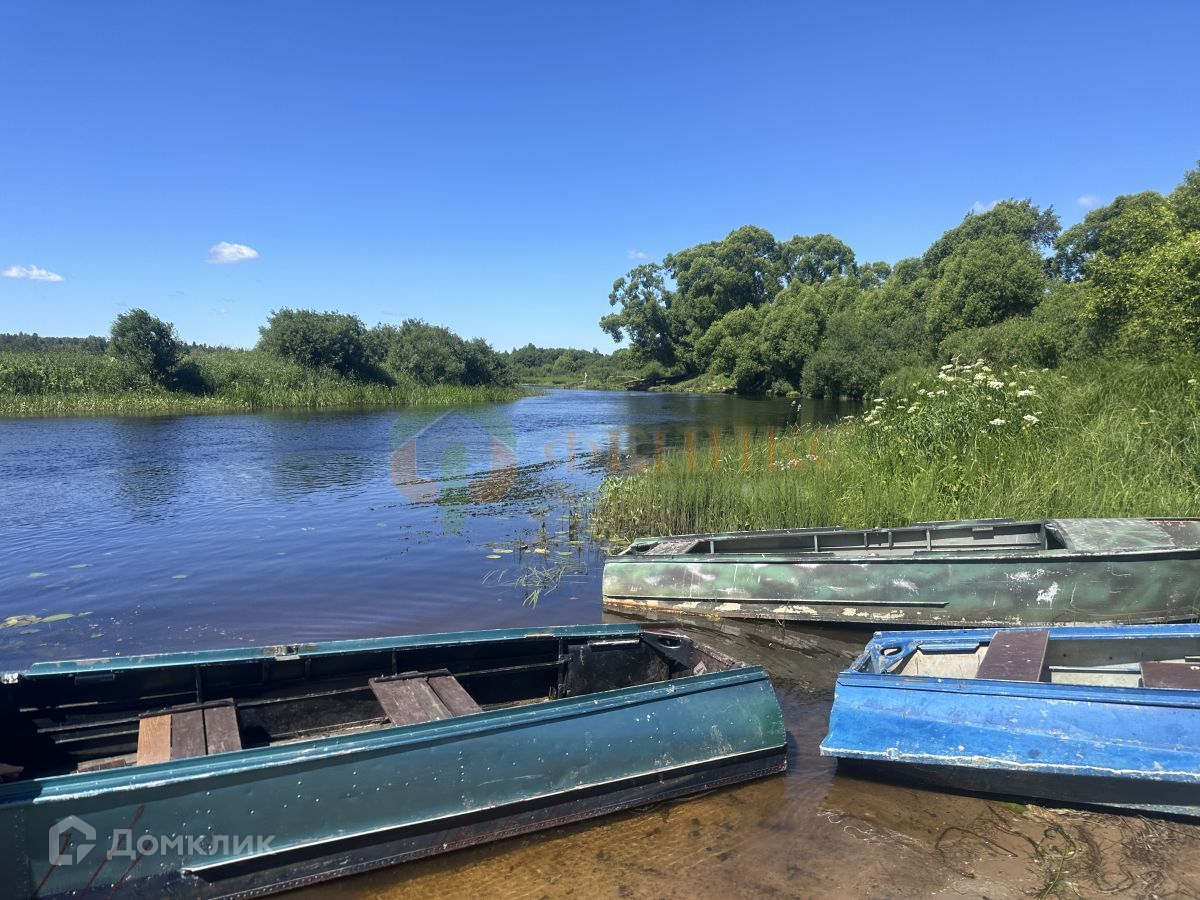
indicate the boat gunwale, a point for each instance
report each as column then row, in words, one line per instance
column 388, row 738
column 963, row 638
column 313, row 649
column 969, row 555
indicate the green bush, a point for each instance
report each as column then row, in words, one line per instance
column 328, row 340
column 149, row 344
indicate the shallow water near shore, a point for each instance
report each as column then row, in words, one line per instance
column 122, row 536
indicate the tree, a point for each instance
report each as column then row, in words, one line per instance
column 148, row 343
column 328, row 340
column 1185, row 200
column 984, row 281
column 816, row 258
column 430, row 354
column 1132, row 223
column 733, row 345
column 1019, row 219
column 1148, row 304
column 644, row 304
column 716, row 278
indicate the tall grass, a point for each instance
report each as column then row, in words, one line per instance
column 1101, row 438
column 79, row 382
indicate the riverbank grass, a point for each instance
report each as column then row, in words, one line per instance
column 1105, row 438
column 86, row 383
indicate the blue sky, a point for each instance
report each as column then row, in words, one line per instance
column 493, row 167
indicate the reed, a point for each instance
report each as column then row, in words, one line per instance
column 1105, row 438
column 84, row 383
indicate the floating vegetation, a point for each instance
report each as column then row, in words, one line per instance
column 537, row 581
column 37, row 574
column 494, row 556
column 26, row 620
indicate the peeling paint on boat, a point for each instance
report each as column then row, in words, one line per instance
column 1138, row 571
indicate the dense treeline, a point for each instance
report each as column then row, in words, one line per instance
column 35, row 343
column 566, row 366
column 1007, row 284
column 303, row 358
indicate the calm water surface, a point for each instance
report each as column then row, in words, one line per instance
column 203, row 531
column 169, row 533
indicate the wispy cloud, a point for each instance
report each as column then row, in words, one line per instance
column 225, row 252
column 980, row 207
column 637, row 254
column 31, row 273
column 1089, row 201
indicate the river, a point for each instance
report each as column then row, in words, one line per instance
column 136, row 534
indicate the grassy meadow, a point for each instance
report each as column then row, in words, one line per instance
column 1099, row 438
column 78, row 382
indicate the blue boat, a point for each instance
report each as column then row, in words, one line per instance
column 1096, row 716
column 238, row 773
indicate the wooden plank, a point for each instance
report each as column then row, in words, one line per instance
column 221, row 734
column 1015, row 656
column 106, row 762
column 154, row 739
column 455, row 697
column 408, row 700
column 187, row 734
column 671, row 548
column 1171, row 676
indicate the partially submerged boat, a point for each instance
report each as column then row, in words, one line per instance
column 1095, row 716
column 238, row 773
column 953, row 574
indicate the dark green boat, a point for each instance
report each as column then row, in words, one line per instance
column 243, row 772
column 971, row 573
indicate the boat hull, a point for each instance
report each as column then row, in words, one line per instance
column 1053, row 588
column 334, row 806
column 1122, row 747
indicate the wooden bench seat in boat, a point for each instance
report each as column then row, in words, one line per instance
column 1015, row 655
column 189, row 731
column 422, row 697
column 1172, row 676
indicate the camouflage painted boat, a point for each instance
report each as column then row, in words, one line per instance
column 971, row 573
column 239, row 773
column 1102, row 716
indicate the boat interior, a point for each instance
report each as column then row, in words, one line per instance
column 924, row 537
column 1031, row 655
column 96, row 719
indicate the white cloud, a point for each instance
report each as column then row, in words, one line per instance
column 980, row 207
column 225, row 252
column 637, row 254
column 32, row 273
column 1089, row 201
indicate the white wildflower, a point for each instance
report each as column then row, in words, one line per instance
column 912, row 409
column 1032, row 420
column 996, row 385
column 1192, row 381
column 998, row 422
column 947, row 366
column 979, row 376
column 941, row 393
column 1028, row 392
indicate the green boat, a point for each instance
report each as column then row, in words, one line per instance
column 238, row 773
column 997, row 572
